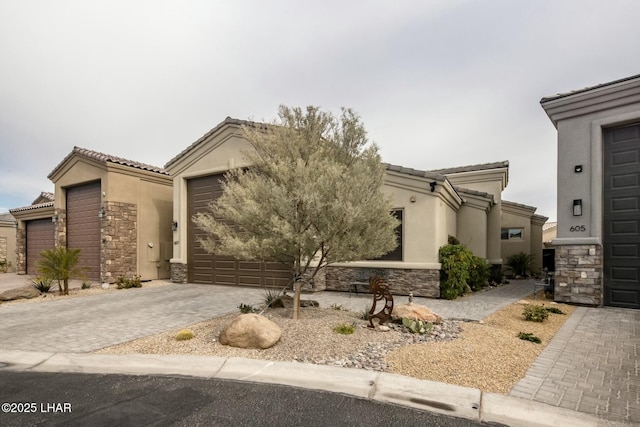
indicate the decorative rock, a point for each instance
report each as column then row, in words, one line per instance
column 25, row 292
column 286, row 301
column 384, row 328
column 415, row 312
column 251, row 331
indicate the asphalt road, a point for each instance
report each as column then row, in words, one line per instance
column 60, row 399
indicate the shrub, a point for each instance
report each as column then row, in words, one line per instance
column 61, row 264
column 535, row 313
column 364, row 314
column 86, row 285
column 416, row 326
column 521, row 264
column 527, row 336
column 42, row 284
column 124, row 283
column 184, row 334
column 269, row 296
column 554, row 310
column 453, row 240
column 247, row 308
column 345, row 329
column 454, row 274
column 495, row 275
column 479, row 273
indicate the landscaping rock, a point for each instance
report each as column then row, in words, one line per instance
column 415, row 312
column 251, row 331
column 286, row 301
column 25, row 292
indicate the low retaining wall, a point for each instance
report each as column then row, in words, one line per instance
column 420, row 282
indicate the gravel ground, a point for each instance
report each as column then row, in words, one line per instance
column 486, row 355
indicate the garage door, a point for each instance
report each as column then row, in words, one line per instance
column 205, row 268
column 83, row 225
column 622, row 216
column 40, row 236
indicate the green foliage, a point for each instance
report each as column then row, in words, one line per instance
column 345, row 329
column 42, row 284
column 495, row 275
column 453, row 240
column 527, row 336
column 247, row 308
column 184, row 334
column 521, row 264
column 554, row 310
column 269, row 296
column 535, row 313
column 364, row 314
column 61, row 264
column 86, row 285
column 454, row 274
column 312, row 194
column 126, row 283
column 416, row 326
column 479, row 273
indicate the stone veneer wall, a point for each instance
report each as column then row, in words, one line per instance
column 179, row 273
column 422, row 283
column 21, row 251
column 61, row 227
column 119, row 252
column 3, row 248
column 579, row 274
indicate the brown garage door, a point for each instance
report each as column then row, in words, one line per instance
column 217, row 269
column 83, row 225
column 40, row 236
column 622, row 216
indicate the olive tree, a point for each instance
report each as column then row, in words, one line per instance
column 311, row 197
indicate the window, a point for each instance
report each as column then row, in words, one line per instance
column 396, row 254
column 512, row 234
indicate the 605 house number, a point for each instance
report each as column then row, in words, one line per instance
column 575, row 228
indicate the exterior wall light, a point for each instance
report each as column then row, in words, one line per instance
column 577, row 207
column 433, row 186
column 174, row 226
column 101, row 213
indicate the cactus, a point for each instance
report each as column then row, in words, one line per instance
column 416, row 326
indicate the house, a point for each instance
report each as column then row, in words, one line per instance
column 431, row 205
column 598, row 234
column 35, row 232
column 117, row 211
column 7, row 243
column 549, row 233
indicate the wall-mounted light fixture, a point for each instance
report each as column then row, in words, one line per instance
column 577, row 207
column 54, row 218
column 101, row 213
column 174, row 226
column 412, row 199
column 433, row 186
column 577, row 168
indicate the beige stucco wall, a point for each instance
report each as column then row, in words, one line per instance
column 511, row 219
column 8, row 232
column 472, row 227
column 537, row 222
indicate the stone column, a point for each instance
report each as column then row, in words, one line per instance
column 579, row 274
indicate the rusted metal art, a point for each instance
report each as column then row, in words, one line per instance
column 380, row 291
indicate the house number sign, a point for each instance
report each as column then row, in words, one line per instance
column 576, row 228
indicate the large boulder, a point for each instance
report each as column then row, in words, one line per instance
column 251, row 331
column 25, row 292
column 415, row 312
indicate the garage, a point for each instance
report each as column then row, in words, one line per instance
column 83, row 225
column 622, row 216
column 40, row 236
column 206, row 268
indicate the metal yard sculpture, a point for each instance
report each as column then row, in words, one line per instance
column 380, row 291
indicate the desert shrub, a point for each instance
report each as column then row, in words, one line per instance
column 453, row 240
column 364, row 314
column 554, row 310
column 454, row 274
column 247, row 308
column 42, row 284
column 125, row 283
column 344, row 329
column 184, row 334
column 527, row 336
column 416, row 326
column 479, row 273
column 521, row 264
column 495, row 275
column 269, row 296
column 535, row 313
column 86, row 285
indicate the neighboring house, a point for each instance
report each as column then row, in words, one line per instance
column 521, row 232
column 117, row 211
column 35, row 232
column 598, row 241
column 7, row 243
column 465, row 202
column 549, row 233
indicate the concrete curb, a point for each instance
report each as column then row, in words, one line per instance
column 452, row 400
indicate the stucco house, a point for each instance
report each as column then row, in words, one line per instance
column 465, row 202
column 7, row 243
column 598, row 240
column 117, row 211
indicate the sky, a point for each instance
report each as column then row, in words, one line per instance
column 437, row 83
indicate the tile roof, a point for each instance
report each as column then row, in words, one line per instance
column 549, row 225
column 6, row 217
column 586, row 89
column 519, row 205
column 472, row 168
column 107, row 158
column 46, row 195
column 474, row 192
column 225, row 122
column 32, row 207
column 413, row 172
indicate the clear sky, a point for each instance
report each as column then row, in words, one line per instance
column 438, row 83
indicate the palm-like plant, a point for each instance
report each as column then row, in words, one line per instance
column 61, row 264
column 521, row 263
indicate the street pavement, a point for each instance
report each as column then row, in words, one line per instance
column 589, row 368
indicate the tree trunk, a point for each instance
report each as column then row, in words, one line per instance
column 66, row 286
column 297, row 286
